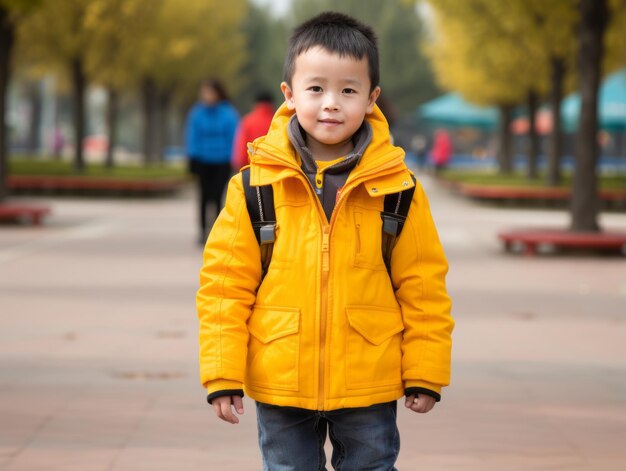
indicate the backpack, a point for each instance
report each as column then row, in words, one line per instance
column 260, row 205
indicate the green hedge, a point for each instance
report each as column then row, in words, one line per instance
column 490, row 178
column 24, row 166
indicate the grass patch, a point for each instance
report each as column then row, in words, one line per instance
column 490, row 178
column 59, row 168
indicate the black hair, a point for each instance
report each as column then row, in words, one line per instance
column 337, row 33
column 264, row 96
column 216, row 85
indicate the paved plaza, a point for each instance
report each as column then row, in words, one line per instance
column 98, row 352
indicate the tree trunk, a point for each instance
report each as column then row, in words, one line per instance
column 557, row 75
column 533, row 137
column 148, row 97
column 505, row 141
column 111, row 117
column 33, row 142
column 164, row 100
column 594, row 17
column 79, row 84
column 7, row 40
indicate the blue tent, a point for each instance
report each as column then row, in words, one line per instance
column 452, row 110
column 611, row 105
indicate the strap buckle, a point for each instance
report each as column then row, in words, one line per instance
column 267, row 233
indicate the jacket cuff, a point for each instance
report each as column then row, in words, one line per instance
column 428, row 392
column 224, row 392
column 222, row 384
column 422, row 387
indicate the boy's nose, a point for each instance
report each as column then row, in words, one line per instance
column 330, row 102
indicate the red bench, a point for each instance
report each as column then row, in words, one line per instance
column 530, row 239
column 13, row 212
column 495, row 192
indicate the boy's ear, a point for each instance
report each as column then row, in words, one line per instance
column 288, row 95
column 372, row 99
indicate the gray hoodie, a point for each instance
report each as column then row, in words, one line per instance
column 335, row 176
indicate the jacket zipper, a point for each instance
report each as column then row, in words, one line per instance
column 327, row 230
column 323, row 313
column 325, row 252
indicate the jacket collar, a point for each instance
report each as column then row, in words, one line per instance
column 381, row 166
column 361, row 140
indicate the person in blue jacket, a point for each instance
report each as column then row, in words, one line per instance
column 209, row 134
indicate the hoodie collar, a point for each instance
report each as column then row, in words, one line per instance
column 361, row 140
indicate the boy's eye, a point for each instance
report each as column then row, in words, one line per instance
column 315, row 89
column 349, row 90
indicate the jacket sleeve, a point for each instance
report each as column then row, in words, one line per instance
column 418, row 271
column 229, row 278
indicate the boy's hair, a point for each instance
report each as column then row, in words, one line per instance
column 337, row 33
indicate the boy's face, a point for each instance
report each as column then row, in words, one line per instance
column 331, row 96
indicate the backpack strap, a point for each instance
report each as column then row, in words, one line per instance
column 260, row 205
column 394, row 215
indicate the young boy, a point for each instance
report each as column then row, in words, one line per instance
column 329, row 338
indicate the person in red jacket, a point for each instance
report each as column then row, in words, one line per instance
column 254, row 124
column 442, row 150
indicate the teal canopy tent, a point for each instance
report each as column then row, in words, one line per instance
column 611, row 105
column 452, row 110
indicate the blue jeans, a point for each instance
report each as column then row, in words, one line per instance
column 363, row 438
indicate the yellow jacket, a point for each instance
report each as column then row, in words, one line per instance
column 328, row 328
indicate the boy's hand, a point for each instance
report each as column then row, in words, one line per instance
column 223, row 409
column 421, row 403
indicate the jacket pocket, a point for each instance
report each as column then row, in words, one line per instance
column 373, row 347
column 273, row 348
column 367, row 244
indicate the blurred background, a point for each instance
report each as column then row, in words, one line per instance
column 502, row 80
column 513, row 116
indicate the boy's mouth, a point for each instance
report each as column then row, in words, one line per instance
column 330, row 121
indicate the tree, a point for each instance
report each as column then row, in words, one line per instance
column 594, row 18
column 266, row 41
column 117, row 24
column 546, row 29
column 180, row 48
column 12, row 12
column 7, row 38
column 474, row 53
column 539, row 35
column 59, row 36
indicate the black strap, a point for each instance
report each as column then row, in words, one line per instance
column 394, row 215
column 260, row 205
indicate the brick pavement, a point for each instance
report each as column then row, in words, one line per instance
column 98, row 348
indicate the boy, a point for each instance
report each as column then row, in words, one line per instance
column 328, row 338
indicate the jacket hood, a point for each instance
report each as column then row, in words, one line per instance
column 381, row 167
